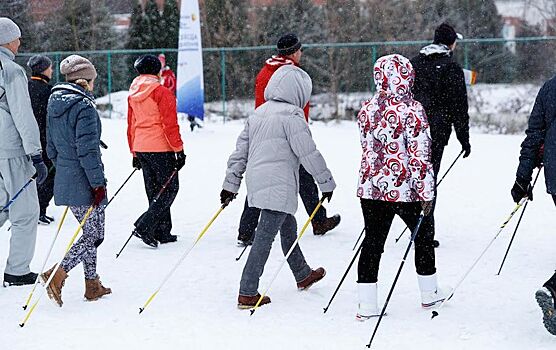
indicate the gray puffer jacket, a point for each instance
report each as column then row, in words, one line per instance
column 275, row 140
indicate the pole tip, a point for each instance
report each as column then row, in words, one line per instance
column 24, row 307
column 252, row 312
column 325, row 309
column 434, row 314
column 368, row 345
column 141, row 309
column 237, row 259
column 21, row 325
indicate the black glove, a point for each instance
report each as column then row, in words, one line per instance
column 327, row 195
column 521, row 190
column 180, row 160
column 466, row 148
column 40, row 167
column 226, row 197
column 136, row 163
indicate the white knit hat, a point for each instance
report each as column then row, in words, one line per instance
column 77, row 67
column 9, row 31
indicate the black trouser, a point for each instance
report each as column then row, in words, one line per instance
column 157, row 168
column 378, row 216
column 551, row 283
column 46, row 189
column 309, row 195
column 436, row 158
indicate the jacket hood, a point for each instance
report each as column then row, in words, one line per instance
column 277, row 61
column 7, row 52
column 394, row 75
column 436, row 49
column 289, row 84
column 142, row 87
column 65, row 96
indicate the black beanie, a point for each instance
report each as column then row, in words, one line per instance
column 38, row 64
column 445, row 34
column 288, row 44
column 148, row 64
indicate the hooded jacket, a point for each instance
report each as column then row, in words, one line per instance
column 275, row 140
column 440, row 87
column 39, row 91
column 73, row 144
column 270, row 66
column 152, row 118
column 18, row 128
column 395, row 138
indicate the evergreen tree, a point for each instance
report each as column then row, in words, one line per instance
column 18, row 11
column 170, row 22
column 152, row 30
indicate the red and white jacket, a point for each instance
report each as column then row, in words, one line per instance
column 395, row 137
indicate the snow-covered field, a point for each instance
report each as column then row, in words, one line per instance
column 197, row 308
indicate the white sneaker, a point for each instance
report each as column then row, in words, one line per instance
column 431, row 294
column 367, row 307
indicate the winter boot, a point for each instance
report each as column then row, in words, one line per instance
column 54, row 289
column 147, row 238
column 246, row 302
column 368, row 306
column 431, row 294
column 168, row 238
column 13, row 280
column 43, row 220
column 314, row 277
column 245, row 239
column 321, row 227
column 546, row 298
column 94, row 289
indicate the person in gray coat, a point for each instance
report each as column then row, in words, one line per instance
column 20, row 159
column 270, row 149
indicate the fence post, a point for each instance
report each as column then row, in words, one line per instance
column 223, row 82
column 373, row 50
column 109, row 69
column 57, row 68
column 466, row 55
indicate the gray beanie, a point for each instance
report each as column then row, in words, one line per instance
column 75, row 67
column 9, row 31
column 38, row 64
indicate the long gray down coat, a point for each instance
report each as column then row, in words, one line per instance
column 275, row 140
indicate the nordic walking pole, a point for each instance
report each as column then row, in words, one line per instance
column 122, row 186
column 518, row 205
column 438, row 184
column 319, row 204
column 81, row 224
column 242, row 252
column 358, row 239
column 47, row 256
column 153, row 202
column 224, row 205
column 517, row 226
column 413, row 235
column 343, row 277
column 7, row 206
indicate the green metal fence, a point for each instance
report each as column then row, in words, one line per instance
column 253, row 56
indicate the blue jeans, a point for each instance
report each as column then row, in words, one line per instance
column 269, row 224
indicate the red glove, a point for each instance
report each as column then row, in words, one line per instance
column 99, row 194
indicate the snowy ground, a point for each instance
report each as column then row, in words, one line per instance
column 197, row 308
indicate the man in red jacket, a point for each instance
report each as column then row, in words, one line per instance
column 289, row 52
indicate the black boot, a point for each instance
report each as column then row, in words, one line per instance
column 244, row 239
column 167, row 238
column 13, row 280
column 147, row 238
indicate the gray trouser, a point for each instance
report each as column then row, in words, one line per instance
column 23, row 213
column 269, row 224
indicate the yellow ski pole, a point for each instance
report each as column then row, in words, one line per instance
column 288, row 255
column 81, row 224
column 141, row 309
column 46, row 259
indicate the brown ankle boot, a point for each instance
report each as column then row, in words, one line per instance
column 94, row 289
column 54, row 289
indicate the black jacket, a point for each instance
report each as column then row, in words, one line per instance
column 440, row 87
column 541, row 130
column 39, row 91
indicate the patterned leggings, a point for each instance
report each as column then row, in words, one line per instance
column 85, row 249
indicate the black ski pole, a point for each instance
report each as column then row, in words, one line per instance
column 343, row 277
column 242, row 252
column 122, row 186
column 517, row 226
column 358, row 239
column 438, row 184
column 153, row 202
column 413, row 235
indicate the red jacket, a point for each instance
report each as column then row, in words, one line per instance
column 168, row 79
column 270, row 66
column 152, row 119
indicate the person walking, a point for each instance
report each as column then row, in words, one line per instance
column 440, row 88
column 289, row 53
column 538, row 149
column 39, row 91
column 154, row 140
column 275, row 141
column 396, row 178
column 20, row 158
column 73, row 145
